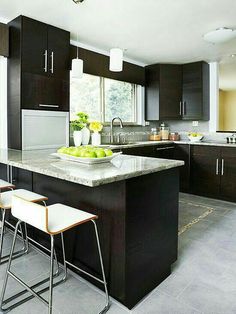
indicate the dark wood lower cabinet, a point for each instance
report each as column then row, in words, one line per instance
column 228, row 174
column 182, row 152
column 213, row 172
column 205, row 177
column 3, row 172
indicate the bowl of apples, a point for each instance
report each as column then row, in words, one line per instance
column 195, row 137
column 86, row 154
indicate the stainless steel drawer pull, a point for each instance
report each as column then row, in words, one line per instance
column 217, row 166
column 49, row 106
column 180, row 108
column 222, row 167
column 164, row 148
column 45, row 61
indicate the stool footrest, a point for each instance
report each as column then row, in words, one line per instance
column 29, row 289
column 5, row 258
column 85, row 272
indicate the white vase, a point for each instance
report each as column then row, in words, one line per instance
column 96, row 139
column 77, row 135
column 85, row 136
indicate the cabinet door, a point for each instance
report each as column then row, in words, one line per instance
column 182, row 152
column 205, row 170
column 59, row 52
column 170, row 91
column 228, row 173
column 196, row 91
column 34, row 46
column 23, row 179
column 44, row 92
column 3, row 172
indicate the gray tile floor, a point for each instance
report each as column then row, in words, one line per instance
column 203, row 280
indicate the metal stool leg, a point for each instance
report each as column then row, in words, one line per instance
column 9, row 264
column 107, row 306
column 51, row 276
column 64, row 257
column 2, row 231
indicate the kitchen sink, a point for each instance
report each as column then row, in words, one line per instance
column 118, row 144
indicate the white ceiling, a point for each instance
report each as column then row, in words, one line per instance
column 151, row 30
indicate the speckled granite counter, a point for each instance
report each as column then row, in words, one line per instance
column 121, row 167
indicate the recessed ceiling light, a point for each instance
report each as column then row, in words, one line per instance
column 233, row 55
column 220, row 35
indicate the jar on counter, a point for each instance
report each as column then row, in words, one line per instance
column 164, row 131
column 154, row 136
column 174, row 136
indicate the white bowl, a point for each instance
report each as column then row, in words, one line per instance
column 195, row 138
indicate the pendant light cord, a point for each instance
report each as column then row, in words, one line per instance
column 77, row 45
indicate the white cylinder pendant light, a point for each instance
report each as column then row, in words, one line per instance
column 116, row 60
column 77, row 68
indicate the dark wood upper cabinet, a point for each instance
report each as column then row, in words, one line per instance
column 4, row 40
column 38, row 66
column 196, row 91
column 163, row 92
column 177, row 92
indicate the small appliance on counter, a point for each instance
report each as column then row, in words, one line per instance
column 231, row 139
column 164, row 131
column 174, row 136
column 154, row 135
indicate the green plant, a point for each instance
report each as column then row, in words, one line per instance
column 83, row 117
column 81, row 122
column 77, row 125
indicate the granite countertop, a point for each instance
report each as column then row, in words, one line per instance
column 121, row 168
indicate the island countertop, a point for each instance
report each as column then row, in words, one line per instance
column 120, row 168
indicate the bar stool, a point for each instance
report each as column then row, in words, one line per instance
column 4, row 185
column 5, row 205
column 53, row 220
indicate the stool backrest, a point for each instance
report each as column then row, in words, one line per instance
column 34, row 214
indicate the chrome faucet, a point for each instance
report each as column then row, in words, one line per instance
column 111, row 128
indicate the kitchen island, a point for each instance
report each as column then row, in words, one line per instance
column 136, row 199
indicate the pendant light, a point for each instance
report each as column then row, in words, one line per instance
column 116, row 60
column 77, row 66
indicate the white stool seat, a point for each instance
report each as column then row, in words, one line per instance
column 6, row 197
column 6, row 185
column 62, row 218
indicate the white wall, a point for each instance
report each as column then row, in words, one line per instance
column 3, row 102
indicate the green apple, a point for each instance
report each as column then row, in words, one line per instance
column 100, row 153
column 89, row 154
column 62, row 150
column 108, row 152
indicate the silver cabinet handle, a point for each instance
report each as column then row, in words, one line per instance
column 180, row 108
column 217, row 166
column 222, row 167
column 49, row 106
column 52, row 62
column 45, row 61
column 164, row 148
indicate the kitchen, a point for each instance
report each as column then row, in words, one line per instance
column 50, row 77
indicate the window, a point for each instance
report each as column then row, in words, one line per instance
column 104, row 99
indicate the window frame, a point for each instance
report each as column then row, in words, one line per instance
column 138, row 103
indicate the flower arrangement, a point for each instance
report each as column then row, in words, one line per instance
column 96, row 126
column 81, row 122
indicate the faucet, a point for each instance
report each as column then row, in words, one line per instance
column 111, row 128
